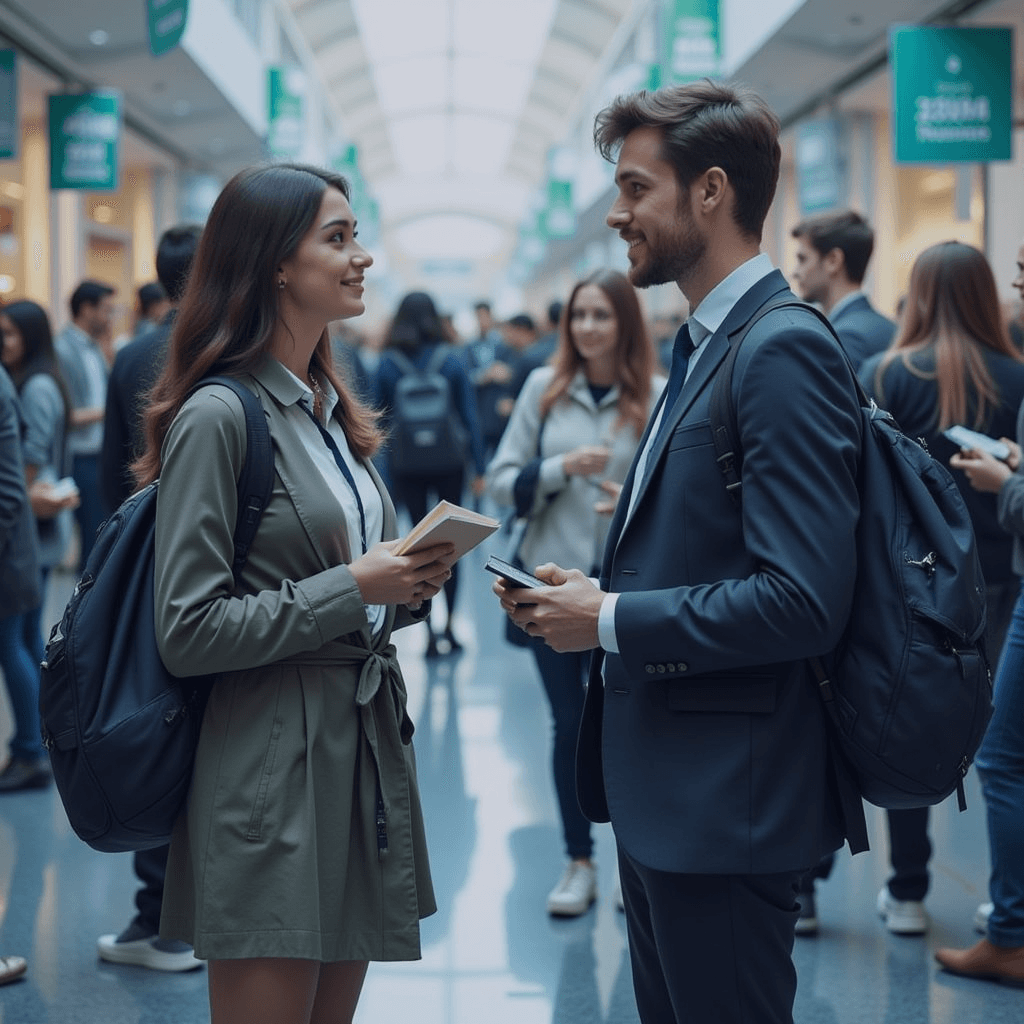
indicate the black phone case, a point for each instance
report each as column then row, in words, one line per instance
column 512, row 574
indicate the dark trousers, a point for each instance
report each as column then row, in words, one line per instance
column 91, row 511
column 151, row 867
column 563, row 676
column 710, row 949
column 413, row 493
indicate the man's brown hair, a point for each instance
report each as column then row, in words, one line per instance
column 706, row 124
column 848, row 232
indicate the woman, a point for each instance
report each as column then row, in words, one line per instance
column 29, row 357
column 567, row 448
column 999, row 956
column 950, row 363
column 417, row 342
column 301, row 854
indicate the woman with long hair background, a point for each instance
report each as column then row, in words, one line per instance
column 950, row 363
column 301, row 853
column 564, row 455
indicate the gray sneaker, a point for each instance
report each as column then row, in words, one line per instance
column 132, row 946
column 902, row 917
column 575, row 891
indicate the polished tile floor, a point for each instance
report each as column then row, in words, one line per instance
column 491, row 954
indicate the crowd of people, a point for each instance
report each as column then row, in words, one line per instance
column 593, row 437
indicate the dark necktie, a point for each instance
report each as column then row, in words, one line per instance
column 681, row 352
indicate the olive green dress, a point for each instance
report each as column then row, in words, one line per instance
column 303, row 835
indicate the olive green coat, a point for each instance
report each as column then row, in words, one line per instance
column 305, row 733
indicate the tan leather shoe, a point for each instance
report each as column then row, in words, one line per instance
column 983, row 960
column 11, row 968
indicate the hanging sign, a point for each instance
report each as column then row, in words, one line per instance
column 693, row 38
column 286, row 89
column 85, row 131
column 559, row 215
column 819, row 165
column 8, row 105
column 952, row 94
column 166, row 20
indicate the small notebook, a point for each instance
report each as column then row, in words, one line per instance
column 449, row 524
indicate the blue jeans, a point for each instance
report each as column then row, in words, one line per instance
column 563, row 676
column 21, row 673
column 91, row 511
column 1000, row 764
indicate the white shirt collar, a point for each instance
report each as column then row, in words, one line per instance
column 330, row 396
column 844, row 302
column 718, row 303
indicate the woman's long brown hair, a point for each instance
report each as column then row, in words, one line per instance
column 634, row 354
column 952, row 309
column 230, row 305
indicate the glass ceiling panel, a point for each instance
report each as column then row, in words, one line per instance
column 484, row 84
column 417, row 83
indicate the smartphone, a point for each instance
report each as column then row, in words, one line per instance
column 64, row 488
column 964, row 438
column 512, row 574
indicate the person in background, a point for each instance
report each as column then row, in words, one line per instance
column 999, row 956
column 572, row 434
column 29, row 358
column 151, row 306
column 831, row 260
column 20, row 594
column 951, row 363
column 541, row 351
column 520, row 334
column 487, row 361
column 135, row 369
column 85, row 370
column 416, row 333
column 137, row 366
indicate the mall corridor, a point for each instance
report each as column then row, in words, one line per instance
column 491, row 955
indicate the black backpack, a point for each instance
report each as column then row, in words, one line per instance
column 908, row 691
column 427, row 437
column 121, row 731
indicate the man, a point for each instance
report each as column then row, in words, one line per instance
column 831, row 259
column 137, row 367
column 135, row 370
column 487, row 363
column 541, row 350
column 85, row 370
column 520, row 334
column 703, row 739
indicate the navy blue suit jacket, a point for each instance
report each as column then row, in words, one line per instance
column 706, row 744
column 862, row 330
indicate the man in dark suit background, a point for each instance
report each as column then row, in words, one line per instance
column 703, row 738
column 831, row 260
column 135, row 370
column 137, row 367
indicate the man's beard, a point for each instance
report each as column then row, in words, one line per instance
column 669, row 259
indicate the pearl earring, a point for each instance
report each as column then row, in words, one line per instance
column 280, row 283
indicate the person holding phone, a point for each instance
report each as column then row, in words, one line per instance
column 301, row 854
column 951, row 363
column 570, row 439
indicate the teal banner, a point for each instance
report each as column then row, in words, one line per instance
column 559, row 218
column 364, row 206
column 286, row 89
column 85, row 132
column 8, row 105
column 166, row 20
column 693, row 38
column 952, row 94
column 820, row 173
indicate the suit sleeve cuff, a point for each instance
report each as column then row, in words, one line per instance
column 606, row 624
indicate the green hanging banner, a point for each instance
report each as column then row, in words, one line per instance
column 952, row 94
column 166, row 20
column 286, row 89
column 8, row 105
column 85, row 132
column 693, row 41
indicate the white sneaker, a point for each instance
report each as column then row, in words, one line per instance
column 981, row 916
column 153, row 952
column 902, row 917
column 574, row 893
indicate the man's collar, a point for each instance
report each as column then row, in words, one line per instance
column 716, row 305
column 846, row 300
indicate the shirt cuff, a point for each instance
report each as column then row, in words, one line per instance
column 552, row 474
column 606, row 624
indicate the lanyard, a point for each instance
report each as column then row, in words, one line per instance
column 343, row 466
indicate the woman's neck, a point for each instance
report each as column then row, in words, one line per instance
column 600, row 373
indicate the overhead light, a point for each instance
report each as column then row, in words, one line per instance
column 7, row 284
column 99, row 37
column 13, row 189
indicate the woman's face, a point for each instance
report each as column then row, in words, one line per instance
column 324, row 277
column 13, row 350
column 593, row 325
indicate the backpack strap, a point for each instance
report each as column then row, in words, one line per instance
column 722, row 407
column 256, row 480
column 437, row 358
column 403, row 362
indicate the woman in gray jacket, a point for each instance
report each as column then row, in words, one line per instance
column 568, row 446
column 301, row 853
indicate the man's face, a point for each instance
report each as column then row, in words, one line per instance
column 97, row 319
column 484, row 319
column 520, row 338
column 810, row 276
column 652, row 214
